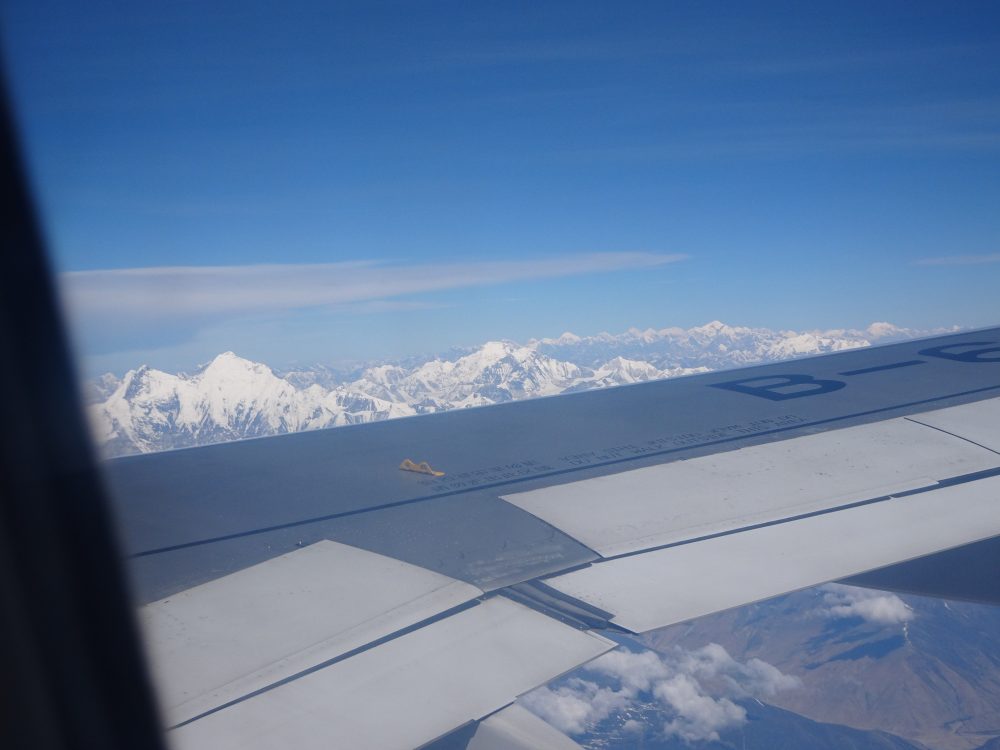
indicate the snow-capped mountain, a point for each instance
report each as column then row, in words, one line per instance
column 496, row 372
column 228, row 399
column 232, row 398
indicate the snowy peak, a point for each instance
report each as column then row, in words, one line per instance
column 629, row 370
column 228, row 399
column 882, row 330
column 497, row 371
column 715, row 345
column 231, row 366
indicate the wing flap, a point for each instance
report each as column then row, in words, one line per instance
column 665, row 586
column 635, row 510
column 407, row 691
column 219, row 641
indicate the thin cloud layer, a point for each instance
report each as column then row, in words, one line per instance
column 876, row 607
column 696, row 691
column 960, row 260
column 220, row 290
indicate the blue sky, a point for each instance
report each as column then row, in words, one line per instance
column 437, row 174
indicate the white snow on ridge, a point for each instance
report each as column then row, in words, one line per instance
column 229, row 399
column 232, row 398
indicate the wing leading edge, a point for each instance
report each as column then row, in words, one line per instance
column 375, row 617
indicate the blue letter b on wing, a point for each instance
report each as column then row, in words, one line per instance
column 781, row 387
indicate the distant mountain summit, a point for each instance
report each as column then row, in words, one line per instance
column 715, row 345
column 228, row 399
column 232, row 398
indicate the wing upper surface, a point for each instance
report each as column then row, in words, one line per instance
column 190, row 515
column 634, row 508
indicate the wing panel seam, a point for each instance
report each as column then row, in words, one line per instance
column 953, row 434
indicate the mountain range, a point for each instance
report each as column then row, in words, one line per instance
column 232, row 398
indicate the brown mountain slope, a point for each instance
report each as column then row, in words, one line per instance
column 924, row 669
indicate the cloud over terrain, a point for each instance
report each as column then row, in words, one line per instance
column 695, row 689
column 876, row 607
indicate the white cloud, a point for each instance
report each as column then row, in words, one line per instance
column 572, row 707
column 707, row 661
column 633, row 726
column 215, row 290
column 876, row 607
column 960, row 260
column 695, row 690
column 697, row 715
column 637, row 672
column 763, row 679
column 752, row 678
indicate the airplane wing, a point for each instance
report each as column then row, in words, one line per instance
column 306, row 591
